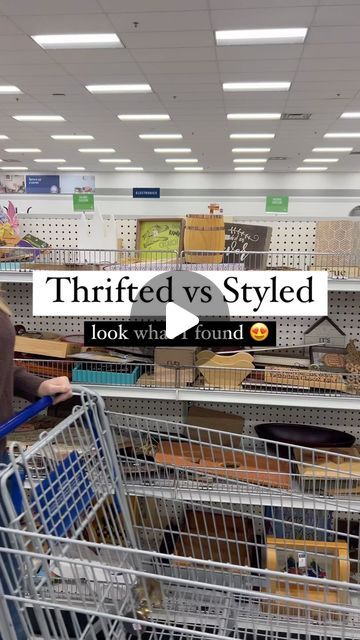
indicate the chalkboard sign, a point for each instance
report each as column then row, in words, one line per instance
column 243, row 238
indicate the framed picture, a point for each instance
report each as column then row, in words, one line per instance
column 157, row 236
column 328, row 358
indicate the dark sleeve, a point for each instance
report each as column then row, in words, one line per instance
column 26, row 384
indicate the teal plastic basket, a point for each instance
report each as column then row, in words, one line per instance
column 10, row 266
column 82, row 374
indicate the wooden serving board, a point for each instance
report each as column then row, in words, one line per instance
column 305, row 379
column 49, row 348
column 233, row 465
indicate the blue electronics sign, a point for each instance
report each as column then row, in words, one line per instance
column 146, row 192
column 42, row 184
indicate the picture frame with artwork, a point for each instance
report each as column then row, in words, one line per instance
column 159, row 238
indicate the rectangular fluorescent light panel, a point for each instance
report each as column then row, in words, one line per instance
column 252, row 150
column 129, row 168
column 8, row 89
column 252, row 136
column 119, row 88
column 65, row 136
column 311, row 169
column 49, row 160
column 71, row 168
column 172, row 150
column 250, row 160
column 39, row 118
column 22, row 150
column 332, row 149
column 181, row 160
column 256, row 86
column 134, row 117
column 249, row 168
column 97, row 150
column 13, row 168
column 160, row 136
column 78, row 41
column 115, row 160
column 253, row 116
column 261, row 36
column 188, row 168
column 350, row 114
column 321, row 160
column 346, row 134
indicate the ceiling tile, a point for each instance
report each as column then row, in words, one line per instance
column 186, row 68
column 123, row 6
column 337, row 16
column 48, row 7
column 263, row 52
column 262, row 18
column 328, row 35
column 161, row 21
column 199, row 54
column 162, row 39
column 83, row 22
column 252, row 4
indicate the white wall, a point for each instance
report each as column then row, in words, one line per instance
column 311, row 196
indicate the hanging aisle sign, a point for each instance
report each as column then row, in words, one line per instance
column 83, row 202
column 146, row 192
column 277, row 204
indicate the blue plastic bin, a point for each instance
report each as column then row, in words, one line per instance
column 128, row 375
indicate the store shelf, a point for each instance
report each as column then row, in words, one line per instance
column 243, row 494
column 236, row 397
column 16, row 276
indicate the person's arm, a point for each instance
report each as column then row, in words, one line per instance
column 30, row 387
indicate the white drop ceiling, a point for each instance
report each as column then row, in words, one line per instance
column 170, row 44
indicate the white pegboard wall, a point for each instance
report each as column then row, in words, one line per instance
column 287, row 234
column 343, row 309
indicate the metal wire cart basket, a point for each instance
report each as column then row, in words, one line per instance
column 122, row 527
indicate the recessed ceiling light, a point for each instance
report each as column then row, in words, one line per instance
column 9, row 89
column 311, row 169
column 261, row 36
column 14, row 168
column 256, row 86
column 250, row 160
column 133, row 117
column 22, row 150
column 97, row 150
column 119, row 88
column 181, row 160
column 332, row 149
column 252, row 150
column 129, row 168
column 252, row 136
column 49, row 160
column 253, row 116
column 160, row 136
column 2, row 137
column 39, row 118
column 321, row 160
column 78, row 40
column 72, row 136
column 345, row 134
column 188, row 168
column 71, row 168
column 115, row 160
column 172, row 150
column 249, row 168
column 350, row 114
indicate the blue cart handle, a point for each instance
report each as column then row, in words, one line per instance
column 23, row 416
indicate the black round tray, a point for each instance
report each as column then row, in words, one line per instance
column 304, row 435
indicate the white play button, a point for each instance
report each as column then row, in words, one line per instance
column 178, row 320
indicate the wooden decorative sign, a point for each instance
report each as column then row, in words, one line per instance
column 159, row 235
column 243, row 238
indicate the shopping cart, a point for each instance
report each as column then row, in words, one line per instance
column 120, row 527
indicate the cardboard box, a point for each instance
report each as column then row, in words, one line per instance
column 49, row 348
column 172, row 357
column 175, row 356
column 214, row 422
